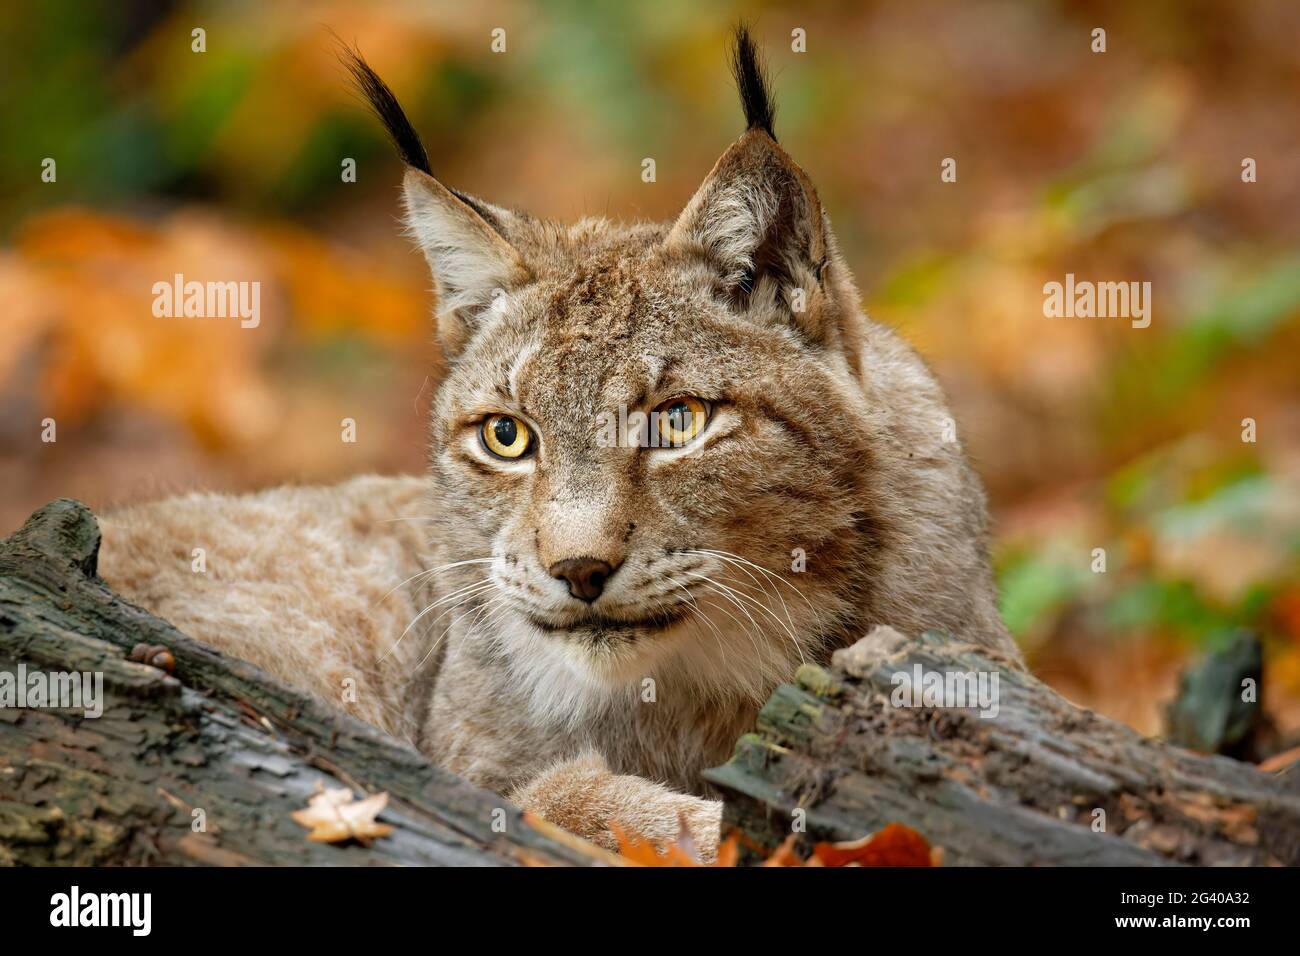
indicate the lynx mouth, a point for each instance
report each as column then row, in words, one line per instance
column 601, row 626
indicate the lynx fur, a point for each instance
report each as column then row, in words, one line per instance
column 825, row 493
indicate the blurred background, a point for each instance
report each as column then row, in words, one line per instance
column 1115, row 166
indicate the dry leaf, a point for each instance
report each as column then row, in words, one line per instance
column 334, row 816
column 894, row 845
column 681, row 853
column 644, row 853
column 784, row 855
column 728, row 852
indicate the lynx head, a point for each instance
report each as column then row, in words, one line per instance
column 656, row 432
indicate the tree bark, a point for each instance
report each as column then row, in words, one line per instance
column 216, row 742
column 831, row 753
column 1043, row 782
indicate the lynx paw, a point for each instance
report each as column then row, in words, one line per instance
column 584, row 797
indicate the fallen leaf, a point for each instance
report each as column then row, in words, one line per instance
column 644, row 853
column 785, row 855
column 681, row 853
column 894, row 845
column 333, row 816
column 728, row 852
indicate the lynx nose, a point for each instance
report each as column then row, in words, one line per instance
column 586, row 576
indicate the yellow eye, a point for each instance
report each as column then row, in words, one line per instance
column 506, row 436
column 680, row 420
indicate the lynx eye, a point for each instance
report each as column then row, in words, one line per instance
column 506, row 436
column 680, row 420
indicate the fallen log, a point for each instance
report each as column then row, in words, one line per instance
column 203, row 765
column 845, row 750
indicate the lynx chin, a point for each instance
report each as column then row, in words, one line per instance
column 504, row 610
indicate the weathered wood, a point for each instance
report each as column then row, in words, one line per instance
column 1022, row 787
column 218, row 736
column 222, row 737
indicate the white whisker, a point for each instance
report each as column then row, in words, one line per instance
column 697, row 613
column 431, row 571
column 722, row 590
column 745, row 563
column 457, row 596
column 739, row 597
column 447, row 630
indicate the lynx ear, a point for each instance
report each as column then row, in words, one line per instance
column 757, row 216
column 467, row 251
column 463, row 238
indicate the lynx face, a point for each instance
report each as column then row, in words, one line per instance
column 622, row 553
column 796, row 487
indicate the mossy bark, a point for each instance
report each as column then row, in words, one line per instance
column 1043, row 782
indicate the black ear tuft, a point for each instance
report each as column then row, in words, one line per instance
column 385, row 106
column 751, row 81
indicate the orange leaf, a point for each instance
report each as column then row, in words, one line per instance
column 728, row 852
column 644, row 853
column 895, row 845
column 784, row 855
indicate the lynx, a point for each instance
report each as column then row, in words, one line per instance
column 583, row 624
